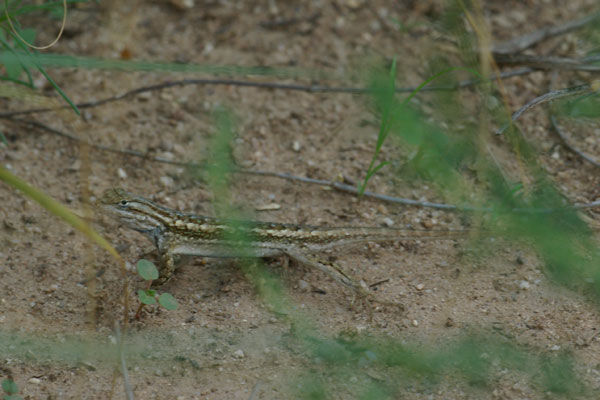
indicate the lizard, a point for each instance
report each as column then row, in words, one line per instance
column 178, row 233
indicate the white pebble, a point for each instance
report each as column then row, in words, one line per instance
column 35, row 381
column 208, row 48
column 388, row 221
column 268, row 207
column 122, row 174
column 238, row 354
column 166, row 181
column 524, row 285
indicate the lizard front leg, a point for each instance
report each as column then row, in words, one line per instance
column 167, row 263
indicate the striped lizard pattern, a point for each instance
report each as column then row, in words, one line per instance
column 178, row 233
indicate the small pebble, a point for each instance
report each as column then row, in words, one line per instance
column 144, row 96
column 168, row 155
column 375, row 376
column 87, row 365
column 354, row 4
column 166, row 181
column 51, row 288
column 492, row 103
column 415, row 322
column 35, row 381
column 238, row 354
column 178, row 148
column 360, row 328
column 75, row 166
column 296, row 146
column 388, row 222
column 208, row 48
column 303, row 285
column 268, row 207
column 122, row 174
column 524, row 285
column 69, row 198
column 427, row 224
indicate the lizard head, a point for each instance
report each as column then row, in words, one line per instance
column 134, row 211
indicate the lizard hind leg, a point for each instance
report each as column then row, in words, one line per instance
column 331, row 269
column 361, row 291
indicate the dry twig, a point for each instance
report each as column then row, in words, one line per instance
column 551, row 63
column 321, row 182
column 263, row 85
column 553, row 95
column 568, row 145
column 521, row 43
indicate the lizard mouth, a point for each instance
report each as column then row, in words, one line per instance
column 140, row 223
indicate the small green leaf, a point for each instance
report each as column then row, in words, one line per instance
column 168, row 301
column 9, row 386
column 147, row 296
column 147, row 270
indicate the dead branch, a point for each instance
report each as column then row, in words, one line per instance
column 568, row 145
column 551, row 63
column 553, row 95
column 521, row 43
column 263, row 85
column 321, row 182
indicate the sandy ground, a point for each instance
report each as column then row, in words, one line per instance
column 224, row 341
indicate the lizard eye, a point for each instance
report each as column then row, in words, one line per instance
column 123, row 202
